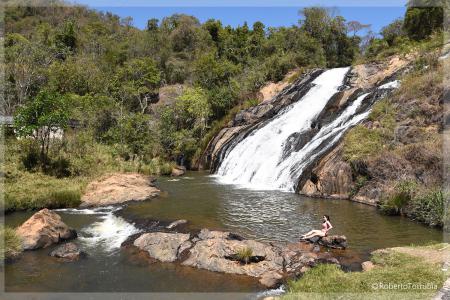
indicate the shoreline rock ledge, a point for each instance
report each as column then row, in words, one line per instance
column 229, row 253
column 118, row 188
column 43, row 229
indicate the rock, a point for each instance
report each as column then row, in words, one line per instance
column 271, row 279
column 208, row 234
column 334, row 241
column 217, row 254
column 162, row 246
column 43, row 229
column 175, row 224
column 178, row 171
column 69, row 251
column 217, row 251
column 119, row 188
column 367, row 266
column 331, row 241
column 332, row 177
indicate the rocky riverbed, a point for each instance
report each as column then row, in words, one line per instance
column 225, row 252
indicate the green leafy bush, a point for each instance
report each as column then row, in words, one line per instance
column 359, row 183
column 428, row 207
column 401, row 198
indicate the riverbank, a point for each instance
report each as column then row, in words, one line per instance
column 33, row 188
column 409, row 271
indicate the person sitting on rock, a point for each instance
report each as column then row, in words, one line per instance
column 326, row 226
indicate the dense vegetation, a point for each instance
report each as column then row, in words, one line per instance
column 97, row 78
column 102, row 81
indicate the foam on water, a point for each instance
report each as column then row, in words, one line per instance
column 109, row 232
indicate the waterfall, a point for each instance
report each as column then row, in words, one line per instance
column 261, row 160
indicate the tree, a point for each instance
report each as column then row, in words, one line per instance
column 331, row 32
column 41, row 118
column 355, row 26
column 392, row 31
column 422, row 18
column 139, row 79
column 315, row 21
column 152, row 24
column 134, row 135
column 66, row 40
column 210, row 72
column 193, row 110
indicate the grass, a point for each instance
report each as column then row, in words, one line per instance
column 244, row 255
column 428, row 207
column 33, row 189
column 11, row 245
column 392, row 267
column 361, row 142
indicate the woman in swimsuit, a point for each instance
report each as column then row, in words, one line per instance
column 326, row 226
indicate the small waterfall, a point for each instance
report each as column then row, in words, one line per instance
column 109, row 232
column 265, row 160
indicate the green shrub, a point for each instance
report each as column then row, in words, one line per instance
column 11, row 245
column 395, row 204
column 359, row 183
column 30, row 159
column 250, row 103
column 428, row 207
column 244, row 255
column 166, row 168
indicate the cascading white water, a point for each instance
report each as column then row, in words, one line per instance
column 295, row 163
column 109, row 232
column 257, row 161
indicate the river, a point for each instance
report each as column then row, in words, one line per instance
column 204, row 202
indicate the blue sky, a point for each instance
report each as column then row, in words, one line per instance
column 271, row 13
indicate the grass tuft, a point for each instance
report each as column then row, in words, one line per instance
column 244, row 255
column 11, row 244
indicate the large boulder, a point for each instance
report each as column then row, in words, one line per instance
column 219, row 255
column 68, row 251
column 166, row 247
column 119, row 188
column 43, row 229
column 178, row 171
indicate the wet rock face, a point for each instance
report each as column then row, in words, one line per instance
column 119, row 188
column 221, row 251
column 332, row 177
column 43, row 229
column 249, row 119
column 68, row 251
